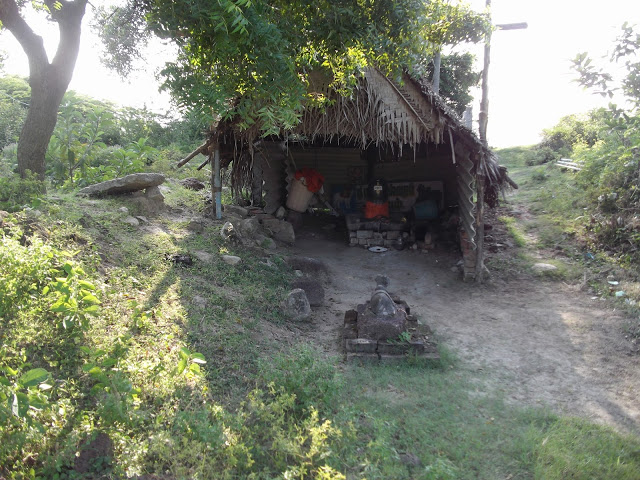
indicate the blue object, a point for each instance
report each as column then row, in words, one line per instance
column 426, row 210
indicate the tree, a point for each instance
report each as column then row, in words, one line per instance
column 456, row 78
column 253, row 59
column 48, row 79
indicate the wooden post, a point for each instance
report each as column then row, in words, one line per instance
column 436, row 72
column 480, row 177
column 256, row 183
column 483, row 117
column 216, row 182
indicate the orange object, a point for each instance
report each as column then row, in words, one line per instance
column 374, row 210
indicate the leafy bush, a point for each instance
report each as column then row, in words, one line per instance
column 26, row 269
column 15, row 192
column 302, row 373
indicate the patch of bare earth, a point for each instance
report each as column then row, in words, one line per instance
column 539, row 342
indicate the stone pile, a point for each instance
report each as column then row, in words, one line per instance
column 369, row 238
column 383, row 328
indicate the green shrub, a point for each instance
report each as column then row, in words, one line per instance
column 26, row 269
column 303, row 373
column 16, row 193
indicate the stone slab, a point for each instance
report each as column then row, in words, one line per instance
column 126, row 184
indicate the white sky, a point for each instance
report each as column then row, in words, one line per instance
column 530, row 80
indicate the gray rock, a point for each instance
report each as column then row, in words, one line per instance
column 123, row 210
column 126, row 184
column 382, row 304
column 131, row 221
column 153, row 194
column 281, row 212
column 228, row 231
column 196, row 226
column 236, row 210
column 297, row 305
column 280, row 229
column 231, row 259
column 313, row 289
column 382, row 280
column 142, row 219
column 192, row 183
column 249, row 227
column 307, row 264
column 387, row 327
column 205, row 257
column 544, row 267
column 265, row 242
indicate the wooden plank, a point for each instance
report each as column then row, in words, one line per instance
column 567, row 163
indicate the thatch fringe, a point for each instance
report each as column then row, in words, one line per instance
column 381, row 112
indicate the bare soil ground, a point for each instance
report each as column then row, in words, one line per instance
column 539, row 342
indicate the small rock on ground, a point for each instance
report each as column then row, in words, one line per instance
column 544, row 267
column 235, row 210
column 297, row 305
column 231, row 259
column 131, row 221
column 203, row 256
column 313, row 289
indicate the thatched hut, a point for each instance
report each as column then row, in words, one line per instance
column 399, row 131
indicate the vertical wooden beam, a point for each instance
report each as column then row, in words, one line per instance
column 216, row 181
column 480, row 178
column 257, row 180
column 484, row 101
column 436, row 71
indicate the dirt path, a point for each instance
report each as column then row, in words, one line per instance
column 540, row 342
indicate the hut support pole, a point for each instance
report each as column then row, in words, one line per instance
column 480, row 224
column 216, row 182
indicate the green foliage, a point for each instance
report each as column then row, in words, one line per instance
column 264, row 51
column 189, row 359
column 26, row 270
column 312, row 380
column 571, row 131
column 75, row 301
column 16, row 193
column 14, row 100
column 457, row 77
column 78, row 153
column 21, row 392
column 77, row 136
column 611, row 171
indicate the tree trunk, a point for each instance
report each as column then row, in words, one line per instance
column 48, row 80
column 39, row 124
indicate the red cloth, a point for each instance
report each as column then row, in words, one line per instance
column 311, row 178
column 373, row 210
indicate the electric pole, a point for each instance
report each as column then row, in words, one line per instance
column 483, row 118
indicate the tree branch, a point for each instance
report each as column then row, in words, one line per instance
column 69, row 19
column 32, row 44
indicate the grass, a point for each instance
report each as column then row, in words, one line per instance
column 519, row 239
column 181, row 371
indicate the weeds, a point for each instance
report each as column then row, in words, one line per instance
column 513, row 229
